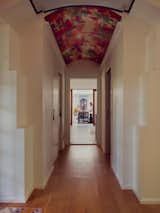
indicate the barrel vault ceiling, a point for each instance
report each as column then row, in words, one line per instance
column 83, row 30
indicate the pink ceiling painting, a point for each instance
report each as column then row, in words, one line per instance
column 83, row 32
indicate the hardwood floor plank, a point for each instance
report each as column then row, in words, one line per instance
column 83, row 182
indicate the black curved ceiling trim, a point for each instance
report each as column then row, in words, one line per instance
column 34, row 7
column 110, row 8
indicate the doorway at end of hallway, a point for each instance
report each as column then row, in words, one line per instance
column 83, row 111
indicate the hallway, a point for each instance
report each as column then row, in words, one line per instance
column 82, row 182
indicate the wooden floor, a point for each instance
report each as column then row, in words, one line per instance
column 82, row 134
column 82, row 182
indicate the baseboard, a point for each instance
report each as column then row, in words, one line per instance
column 126, row 187
column 47, row 178
column 12, row 199
column 122, row 185
column 28, row 194
column 146, row 201
column 150, row 201
column 23, row 199
column 15, row 199
column 117, row 177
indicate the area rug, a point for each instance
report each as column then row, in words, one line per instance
column 19, row 210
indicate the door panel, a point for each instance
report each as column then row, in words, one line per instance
column 71, row 107
column 108, row 116
column 60, row 111
column 56, row 118
column 94, row 106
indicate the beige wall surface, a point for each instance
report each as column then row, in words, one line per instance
column 40, row 70
column 78, row 83
column 135, row 103
column 29, row 90
column 83, row 69
column 12, row 156
column 141, row 126
column 116, row 64
column 135, row 106
column 53, row 65
column 36, row 66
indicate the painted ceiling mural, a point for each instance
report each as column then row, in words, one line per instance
column 83, row 32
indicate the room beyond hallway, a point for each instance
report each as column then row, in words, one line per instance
column 83, row 182
column 83, row 111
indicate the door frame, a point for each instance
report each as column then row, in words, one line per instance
column 60, row 76
column 94, row 102
column 71, row 113
column 71, row 107
column 68, row 78
column 108, row 114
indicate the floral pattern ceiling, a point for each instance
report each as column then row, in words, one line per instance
column 83, row 32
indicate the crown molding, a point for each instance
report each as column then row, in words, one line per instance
column 80, row 5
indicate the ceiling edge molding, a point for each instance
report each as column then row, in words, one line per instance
column 110, row 8
column 34, row 7
column 130, row 7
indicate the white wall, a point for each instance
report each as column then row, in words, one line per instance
column 12, row 155
column 53, row 64
column 83, row 69
column 135, row 103
column 36, row 68
column 40, row 69
column 142, row 126
column 116, row 65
